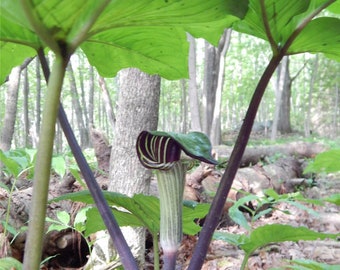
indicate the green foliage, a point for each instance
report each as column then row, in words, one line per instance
column 310, row 265
column 142, row 211
column 10, row 263
column 18, row 161
column 266, row 204
column 284, row 18
column 63, row 221
column 143, row 34
column 327, row 162
column 272, row 233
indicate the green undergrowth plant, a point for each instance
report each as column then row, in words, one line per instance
column 138, row 211
column 259, row 237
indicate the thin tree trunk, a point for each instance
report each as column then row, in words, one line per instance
column 91, row 96
column 211, row 66
column 138, row 104
column 280, row 86
column 7, row 131
column 107, row 102
column 193, row 91
column 215, row 134
column 184, row 106
column 37, row 104
column 28, row 141
column 77, row 108
column 311, row 88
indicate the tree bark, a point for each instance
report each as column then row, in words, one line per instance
column 7, row 131
column 193, row 91
column 138, row 104
column 107, row 103
column 308, row 128
column 215, row 134
column 283, row 84
column 84, row 137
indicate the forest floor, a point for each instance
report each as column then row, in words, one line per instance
column 225, row 256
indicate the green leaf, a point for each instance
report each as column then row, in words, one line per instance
column 236, row 215
column 10, row 263
column 63, row 217
column 303, row 264
column 142, row 210
column 335, row 198
column 12, row 166
column 275, row 233
column 327, row 162
column 59, row 165
column 149, row 35
column 231, row 238
column 320, row 35
column 284, row 17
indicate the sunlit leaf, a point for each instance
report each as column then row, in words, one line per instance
column 327, row 162
column 275, row 233
column 10, row 263
column 150, row 35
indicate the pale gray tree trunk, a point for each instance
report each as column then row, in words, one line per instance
column 138, row 103
column 308, row 128
column 215, row 133
column 107, row 102
column 211, row 66
column 7, row 131
column 280, row 87
column 83, row 132
column 91, row 96
column 193, row 90
column 28, row 141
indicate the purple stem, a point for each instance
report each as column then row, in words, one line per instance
column 105, row 211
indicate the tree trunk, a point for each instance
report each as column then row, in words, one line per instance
column 138, row 104
column 193, row 91
column 211, row 66
column 184, row 106
column 28, row 141
column 84, row 137
column 107, row 103
column 215, row 134
column 281, row 85
column 91, row 95
column 308, row 129
column 284, row 125
column 7, row 131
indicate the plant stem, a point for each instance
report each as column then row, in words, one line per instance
column 226, row 182
column 155, row 251
column 36, row 228
column 171, row 188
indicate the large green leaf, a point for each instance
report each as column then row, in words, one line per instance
column 148, row 34
column 142, row 210
column 284, row 17
column 272, row 233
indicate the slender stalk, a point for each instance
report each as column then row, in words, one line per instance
column 155, row 251
column 216, row 209
column 36, row 228
column 123, row 249
column 171, row 188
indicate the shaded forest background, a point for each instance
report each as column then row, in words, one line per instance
column 307, row 84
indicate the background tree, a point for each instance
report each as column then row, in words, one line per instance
column 138, row 103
